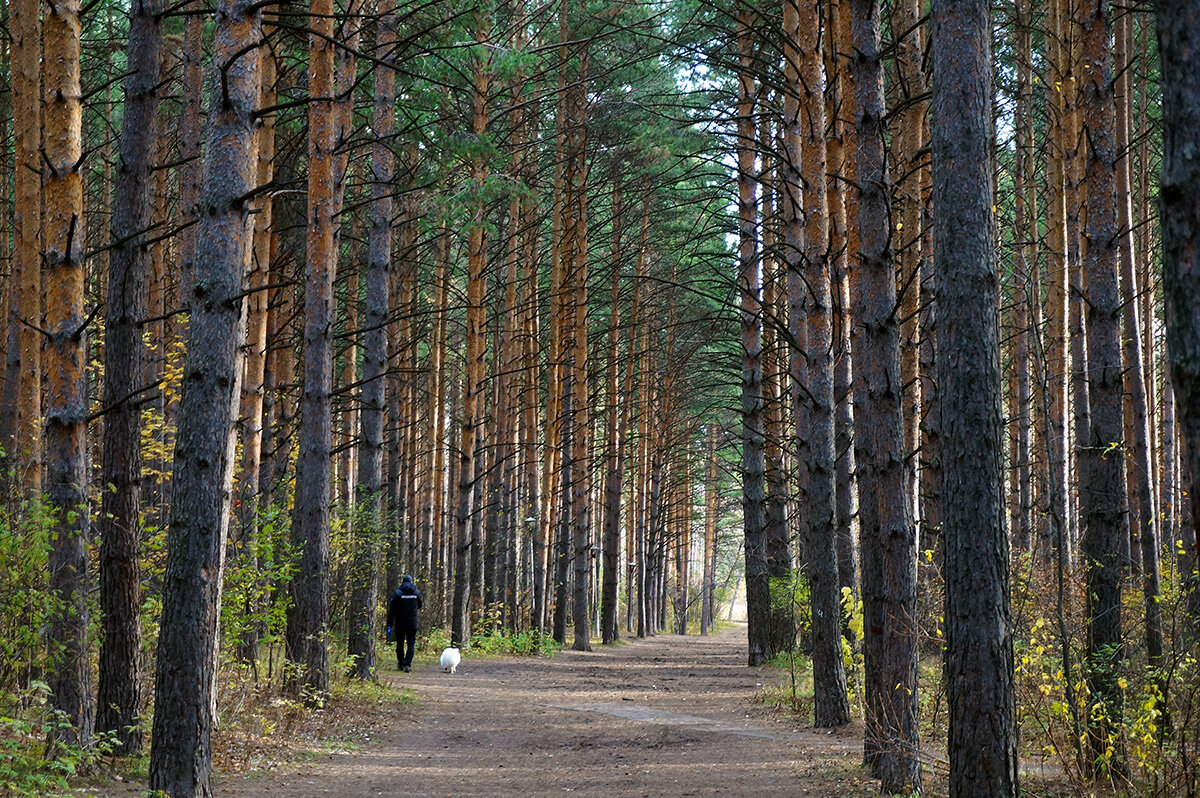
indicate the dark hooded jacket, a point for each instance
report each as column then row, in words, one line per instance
column 402, row 609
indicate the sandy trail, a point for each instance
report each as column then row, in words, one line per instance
column 665, row 716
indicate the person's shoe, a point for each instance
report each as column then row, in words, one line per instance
column 407, row 669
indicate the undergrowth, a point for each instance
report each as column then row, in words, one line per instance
column 29, row 766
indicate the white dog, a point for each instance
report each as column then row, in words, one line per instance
column 450, row 659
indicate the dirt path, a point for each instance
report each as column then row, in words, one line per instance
column 666, row 716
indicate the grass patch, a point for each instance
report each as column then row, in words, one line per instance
column 788, row 685
column 502, row 642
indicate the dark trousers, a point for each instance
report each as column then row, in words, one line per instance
column 406, row 645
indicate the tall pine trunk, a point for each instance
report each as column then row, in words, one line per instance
column 888, row 545
column 758, row 590
column 369, row 517
column 708, row 584
column 1141, row 471
column 250, row 416
column 476, row 354
column 808, row 271
column 842, row 244
column 308, row 624
column 23, row 383
column 614, row 443
column 1102, row 495
column 979, row 645
column 119, row 697
column 1179, row 202
column 185, row 681
column 66, row 480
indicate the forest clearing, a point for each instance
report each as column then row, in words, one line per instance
column 581, row 325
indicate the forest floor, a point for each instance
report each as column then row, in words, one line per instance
column 663, row 716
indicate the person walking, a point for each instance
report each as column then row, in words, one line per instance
column 402, row 621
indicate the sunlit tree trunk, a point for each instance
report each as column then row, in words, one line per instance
column 530, row 382
column 1076, row 200
column 410, row 452
column 437, row 397
column 23, row 389
column 250, row 416
column 66, row 481
column 842, row 245
column 909, row 210
column 308, row 641
column 476, row 350
column 345, row 420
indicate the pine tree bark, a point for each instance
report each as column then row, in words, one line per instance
column 66, row 350
column 437, row 410
column 190, row 146
column 1057, row 361
column 708, row 585
column 909, row 211
column 1140, row 469
column 23, row 389
column 582, row 439
column 308, row 630
column 783, row 303
column 476, row 353
column 6, row 211
column 1024, row 281
column 119, row 695
column 1178, row 27
column 369, row 518
column 979, row 646
column 250, row 415
column 758, row 591
column 842, row 245
column 888, row 545
column 615, row 445
column 1102, row 471
column 185, row 681
column 345, row 420
column 809, row 271
column 1076, row 199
